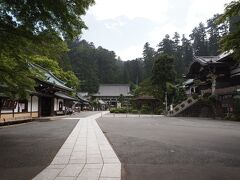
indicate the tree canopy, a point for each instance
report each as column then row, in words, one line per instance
column 32, row 27
column 232, row 40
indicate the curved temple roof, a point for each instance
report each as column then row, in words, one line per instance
column 48, row 77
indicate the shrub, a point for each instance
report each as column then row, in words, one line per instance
column 159, row 111
column 182, row 105
column 146, row 109
column 206, row 95
column 189, row 101
column 118, row 110
column 232, row 117
column 134, row 111
column 194, row 96
column 176, row 109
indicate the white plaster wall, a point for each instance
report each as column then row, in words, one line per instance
column 34, row 104
column 7, row 111
column 56, row 104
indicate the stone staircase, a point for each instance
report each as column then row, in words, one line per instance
column 183, row 105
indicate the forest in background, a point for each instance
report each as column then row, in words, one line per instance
column 97, row 65
column 47, row 34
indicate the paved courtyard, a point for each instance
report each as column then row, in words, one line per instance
column 161, row 148
column 26, row 149
column 85, row 155
column 144, row 147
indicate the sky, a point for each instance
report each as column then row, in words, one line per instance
column 124, row 26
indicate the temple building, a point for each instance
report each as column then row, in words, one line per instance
column 50, row 98
column 109, row 94
column 218, row 76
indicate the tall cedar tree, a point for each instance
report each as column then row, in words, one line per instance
column 163, row 72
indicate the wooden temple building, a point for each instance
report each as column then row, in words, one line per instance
column 214, row 75
column 108, row 94
column 50, row 98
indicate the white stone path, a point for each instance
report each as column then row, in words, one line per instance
column 85, row 155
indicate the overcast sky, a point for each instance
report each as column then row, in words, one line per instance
column 124, row 26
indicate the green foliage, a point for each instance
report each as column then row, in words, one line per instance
column 148, row 58
column 206, row 95
column 236, row 104
column 11, row 78
column 119, row 110
column 159, row 110
column 121, row 99
column 62, row 17
column 53, row 66
column 98, row 65
column 195, row 96
column 163, row 72
column 134, row 111
column 232, row 40
column 145, row 109
column 199, row 37
column 29, row 28
column 180, row 95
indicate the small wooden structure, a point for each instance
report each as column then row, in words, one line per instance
column 146, row 100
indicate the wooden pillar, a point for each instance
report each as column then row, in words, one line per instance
column 39, row 106
column 0, row 108
column 31, row 106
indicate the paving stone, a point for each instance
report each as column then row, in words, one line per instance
column 110, row 179
column 65, row 178
column 90, row 172
column 47, row 174
column 111, row 170
column 77, row 161
column 72, row 170
column 83, row 154
column 61, row 160
column 56, row 166
column 111, row 161
column 95, row 160
column 93, row 166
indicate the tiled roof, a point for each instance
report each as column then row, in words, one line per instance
column 65, row 96
column 48, row 77
column 113, row 90
column 204, row 60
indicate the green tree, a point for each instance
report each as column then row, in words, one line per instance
column 33, row 27
column 214, row 36
column 67, row 76
column 199, row 37
column 163, row 73
column 186, row 53
column 178, row 58
column 166, row 46
column 148, row 58
column 232, row 40
column 82, row 56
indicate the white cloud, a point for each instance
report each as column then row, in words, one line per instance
column 153, row 10
column 200, row 11
column 120, row 19
column 131, row 52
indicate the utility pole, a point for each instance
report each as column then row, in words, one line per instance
column 166, row 102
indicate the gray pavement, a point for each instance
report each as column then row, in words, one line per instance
column 161, row 148
column 26, row 149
